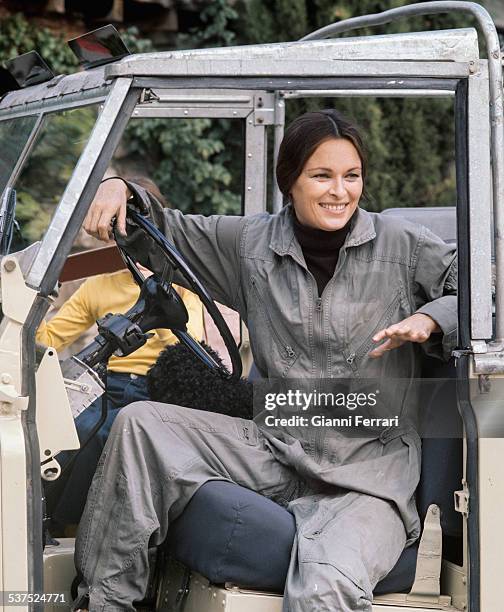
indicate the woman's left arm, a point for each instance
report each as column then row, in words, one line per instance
column 435, row 295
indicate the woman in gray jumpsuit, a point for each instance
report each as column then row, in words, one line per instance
column 327, row 290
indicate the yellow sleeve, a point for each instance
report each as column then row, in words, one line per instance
column 194, row 310
column 74, row 317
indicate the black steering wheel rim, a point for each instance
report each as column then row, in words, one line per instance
column 178, row 263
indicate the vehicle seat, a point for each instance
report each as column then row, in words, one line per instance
column 230, row 534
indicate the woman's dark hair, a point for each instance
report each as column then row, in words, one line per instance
column 304, row 135
column 151, row 187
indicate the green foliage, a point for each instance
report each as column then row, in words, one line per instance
column 266, row 21
column 136, row 44
column 190, row 162
column 50, row 165
column 217, row 19
column 195, row 162
column 410, row 142
column 17, row 36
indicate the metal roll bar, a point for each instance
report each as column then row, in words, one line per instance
column 491, row 39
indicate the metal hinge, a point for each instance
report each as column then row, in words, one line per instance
column 461, row 499
column 9, row 397
column 148, row 95
column 457, row 353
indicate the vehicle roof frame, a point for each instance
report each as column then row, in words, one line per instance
column 79, row 89
column 53, row 106
column 160, row 98
column 246, row 69
column 354, row 82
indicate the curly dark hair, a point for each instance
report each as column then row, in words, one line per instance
column 179, row 378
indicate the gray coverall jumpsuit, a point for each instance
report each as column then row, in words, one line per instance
column 352, row 498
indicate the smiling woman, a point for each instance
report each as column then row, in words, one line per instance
column 303, row 280
column 327, row 192
column 321, row 169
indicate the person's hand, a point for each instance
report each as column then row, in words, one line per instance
column 109, row 202
column 416, row 328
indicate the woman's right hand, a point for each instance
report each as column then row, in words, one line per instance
column 109, row 202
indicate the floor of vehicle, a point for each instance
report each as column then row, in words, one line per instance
column 200, row 595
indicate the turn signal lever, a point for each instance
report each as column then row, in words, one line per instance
column 158, row 305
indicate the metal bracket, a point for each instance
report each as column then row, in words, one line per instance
column 148, row 95
column 264, row 109
column 11, row 403
column 461, row 499
column 8, row 393
column 489, row 363
column 428, row 569
column 173, row 586
column 17, row 298
column 55, row 424
column 479, row 347
column 484, row 383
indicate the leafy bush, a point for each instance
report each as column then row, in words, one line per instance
column 18, row 35
column 195, row 162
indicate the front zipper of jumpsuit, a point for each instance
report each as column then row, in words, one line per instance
column 318, row 325
column 321, row 341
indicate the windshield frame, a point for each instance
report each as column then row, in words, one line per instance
column 81, row 187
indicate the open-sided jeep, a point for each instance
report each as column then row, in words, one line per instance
column 228, row 551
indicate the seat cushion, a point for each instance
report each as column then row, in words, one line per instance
column 230, row 534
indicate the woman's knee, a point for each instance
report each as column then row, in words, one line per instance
column 324, row 588
column 141, row 418
column 131, row 414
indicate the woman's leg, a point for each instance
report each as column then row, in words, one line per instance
column 156, row 458
column 345, row 545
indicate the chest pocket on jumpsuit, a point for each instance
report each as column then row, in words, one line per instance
column 265, row 324
column 388, row 314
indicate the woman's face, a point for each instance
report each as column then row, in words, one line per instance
column 327, row 192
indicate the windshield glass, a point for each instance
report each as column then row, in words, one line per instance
column 14, row 134
column 48, row 168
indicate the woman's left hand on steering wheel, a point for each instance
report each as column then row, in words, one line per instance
column 416, row 328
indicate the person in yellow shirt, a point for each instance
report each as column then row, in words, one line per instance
column 126, row 376
column 116, row 293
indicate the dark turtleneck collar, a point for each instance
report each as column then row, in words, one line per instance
column 320, row 250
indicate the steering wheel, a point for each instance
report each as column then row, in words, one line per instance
column 160, row 305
